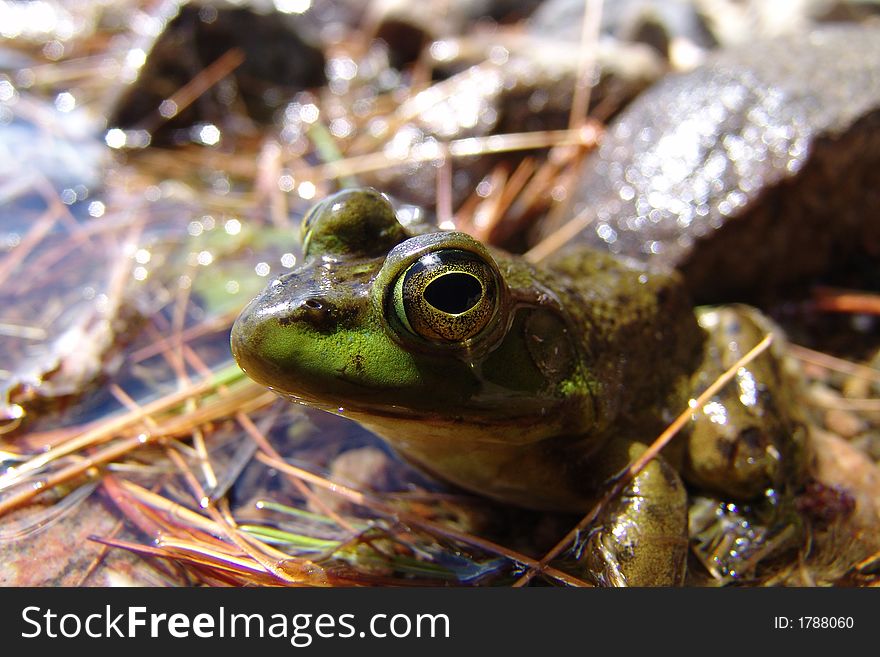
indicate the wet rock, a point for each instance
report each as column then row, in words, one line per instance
column 265, row 57
column 777, row 140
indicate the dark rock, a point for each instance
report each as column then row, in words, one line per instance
column 278, row 56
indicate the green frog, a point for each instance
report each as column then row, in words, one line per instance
column 533, row 385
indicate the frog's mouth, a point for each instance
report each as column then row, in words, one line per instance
column 405, row 427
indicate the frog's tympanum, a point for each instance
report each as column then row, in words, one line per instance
column 532, row 385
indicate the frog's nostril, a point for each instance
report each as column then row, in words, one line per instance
column 315, row 312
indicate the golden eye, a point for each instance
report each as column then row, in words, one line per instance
column 448, row 296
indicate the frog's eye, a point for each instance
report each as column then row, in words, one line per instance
column 447, row 295
column 353, row 222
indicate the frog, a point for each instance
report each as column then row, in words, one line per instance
column 534, row 385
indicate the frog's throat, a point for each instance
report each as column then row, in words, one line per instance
column 426, row 435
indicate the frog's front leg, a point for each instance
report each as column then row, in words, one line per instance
column 746, row 440
column 640, row 538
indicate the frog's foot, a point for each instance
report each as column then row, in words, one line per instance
column 745, row 448
column 640, row 538
column 746, row 442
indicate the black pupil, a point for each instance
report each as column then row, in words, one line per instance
column 453, row 293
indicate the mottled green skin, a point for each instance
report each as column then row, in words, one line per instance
column 582, row 360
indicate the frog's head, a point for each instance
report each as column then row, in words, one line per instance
column 382, row 323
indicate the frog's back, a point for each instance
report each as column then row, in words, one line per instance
column 763, row 164
column 627, row 315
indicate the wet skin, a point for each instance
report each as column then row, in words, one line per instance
column 532, row 385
